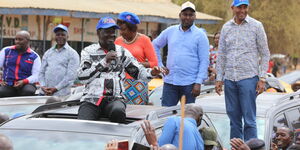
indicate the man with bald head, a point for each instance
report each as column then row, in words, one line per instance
column 5, row 143
column 21, row 67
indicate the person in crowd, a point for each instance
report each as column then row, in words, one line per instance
column 5, row 143
column 294, row 147
column 102, row 69
column 243, row 42
column 209, row 136
column 21, row 66
column 213, row 58
column 271, row 65
column 170, row 135
column 140, row 46
column 297, row 140
column 276, row 66
column 187, row 60
column 59, row 66
column 3, row 117
column 284, row 138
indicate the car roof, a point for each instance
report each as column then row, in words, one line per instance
column 216, row 104
column 64, row 119
column 23, row 100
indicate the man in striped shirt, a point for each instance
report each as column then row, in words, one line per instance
column 102, row 69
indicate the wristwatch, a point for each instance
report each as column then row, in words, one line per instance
column 262, row 79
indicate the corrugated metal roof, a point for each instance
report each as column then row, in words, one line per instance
column 94, row 8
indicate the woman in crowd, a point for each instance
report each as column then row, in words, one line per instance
column 213, row 58
column 141, row 48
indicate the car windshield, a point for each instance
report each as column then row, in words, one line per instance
column 222, row 125
column 10, row 110
column 58, row 140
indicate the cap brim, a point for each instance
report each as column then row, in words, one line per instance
column 209, row 142
column 59, row 28
column 188, row 8
column 109, row 26
column 242, row 3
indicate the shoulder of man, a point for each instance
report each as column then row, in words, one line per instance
column 35, row 54
column 7, row 48
column 91, row 47
column 254, row 21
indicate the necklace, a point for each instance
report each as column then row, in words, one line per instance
column 133, row 40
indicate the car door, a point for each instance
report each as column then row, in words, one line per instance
column 286, row 114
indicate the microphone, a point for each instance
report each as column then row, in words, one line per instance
column 112, row 47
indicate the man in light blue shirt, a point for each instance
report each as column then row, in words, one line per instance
column 192, row 139
column 187, row 60
column 59, row 66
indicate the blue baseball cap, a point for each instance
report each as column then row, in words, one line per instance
column 60, row 26
column 106, row 22
column 129, row 17
column 237, row 3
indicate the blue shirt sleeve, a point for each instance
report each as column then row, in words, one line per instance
column 168, row 133
column 203, row 54
column 159, row 43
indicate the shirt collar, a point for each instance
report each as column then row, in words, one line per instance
column 247, row 19
column 66, row 46
column 192, row 120
column 190, row 29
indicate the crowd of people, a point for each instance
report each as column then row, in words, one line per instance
column 115, row 72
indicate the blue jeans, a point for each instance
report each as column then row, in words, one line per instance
column 172, row 94
column 240, row 102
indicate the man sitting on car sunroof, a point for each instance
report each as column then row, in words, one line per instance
column 102, row 69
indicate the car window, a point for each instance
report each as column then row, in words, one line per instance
column 293, row 116
column 50, row 140
column 222, row 125
column 279, row 121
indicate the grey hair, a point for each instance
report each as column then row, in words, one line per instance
column 168, row 147
column 194, row 110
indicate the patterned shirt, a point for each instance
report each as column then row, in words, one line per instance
column 104, row 79
column 243, row 51
column 59, row 69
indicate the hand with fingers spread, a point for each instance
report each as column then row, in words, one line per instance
column 238, row 144
column 149, row 133
column 112, row 145
column 157, row 70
